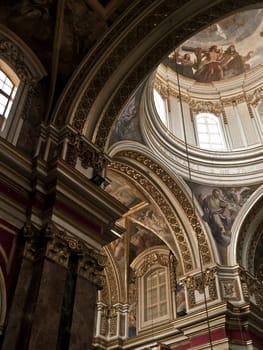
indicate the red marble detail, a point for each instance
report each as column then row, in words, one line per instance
column 202, row 339
column 244, row 335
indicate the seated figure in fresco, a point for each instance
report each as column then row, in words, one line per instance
column 218, row 215
column 209, row 65
column 233, row 63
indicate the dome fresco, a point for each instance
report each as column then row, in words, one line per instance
column 223, row 50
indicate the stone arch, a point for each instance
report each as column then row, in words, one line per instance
column 102, row 91
column 29, row 70
column 135, row 172
column 248, row 232
column 2, row 301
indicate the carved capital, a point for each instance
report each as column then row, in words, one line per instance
column 57, row 248
column 33, row 247
column 91, row 266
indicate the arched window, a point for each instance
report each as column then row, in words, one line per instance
column 160, row 106
column 8, row 87
column 155, row 295
column 156, row 303
column 209, row 132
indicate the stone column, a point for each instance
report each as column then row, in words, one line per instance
column 18, row 316
column 34, row 316
column 48, row 305
column 90, row 278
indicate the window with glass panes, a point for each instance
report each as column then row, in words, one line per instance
column 7, row 94
column 156, row 301
column 209, row 132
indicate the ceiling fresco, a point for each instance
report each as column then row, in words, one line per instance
column 224, row 50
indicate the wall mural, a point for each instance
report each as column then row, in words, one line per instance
column 127, row 126
column 220, row 206
column 223, row 50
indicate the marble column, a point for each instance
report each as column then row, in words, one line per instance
column 34, row 317
column 90, row 278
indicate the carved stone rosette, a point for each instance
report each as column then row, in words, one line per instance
column 199, row 283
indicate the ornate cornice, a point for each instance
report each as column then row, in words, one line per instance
column 165, row 207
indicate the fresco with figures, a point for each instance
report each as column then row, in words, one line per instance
column 229, row 48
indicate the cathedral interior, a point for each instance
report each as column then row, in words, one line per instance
column 131, row 157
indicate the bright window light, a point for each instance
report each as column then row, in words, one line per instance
column 209, row 132
column 160, row 106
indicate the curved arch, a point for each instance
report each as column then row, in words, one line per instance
column 115, row 288
column 245, row 230
column 2, row 301
column 194, row 225
column 132, row 54
column 29, row 70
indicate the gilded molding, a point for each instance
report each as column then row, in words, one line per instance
column 173, row 277
column 150, row 260
column 187, row 258
column 165, row 207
